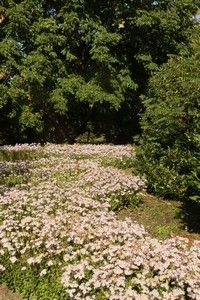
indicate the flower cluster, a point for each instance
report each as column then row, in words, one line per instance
column 63, row 213
column 133, row 268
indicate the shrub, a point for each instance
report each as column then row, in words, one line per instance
column 170, row 144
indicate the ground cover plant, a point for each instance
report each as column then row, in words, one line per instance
column 61, row 238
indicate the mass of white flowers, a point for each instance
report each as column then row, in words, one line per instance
column 64, row 212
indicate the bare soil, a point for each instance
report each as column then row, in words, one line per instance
column 6, row 294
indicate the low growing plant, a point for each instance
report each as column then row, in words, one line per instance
column 16, row 155
column 34, row 282
column 123, row 163
column 122, row 200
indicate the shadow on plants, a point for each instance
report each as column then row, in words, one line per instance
column 191, row 215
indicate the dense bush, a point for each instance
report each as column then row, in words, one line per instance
column 170, row 144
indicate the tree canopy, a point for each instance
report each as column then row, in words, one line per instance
column 67, row 65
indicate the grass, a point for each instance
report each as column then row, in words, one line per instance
column 161, row 218
column 20, row 155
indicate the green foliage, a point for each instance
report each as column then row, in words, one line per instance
column 66, row 64
column 62, row 178
column 30, row 284
column 121, row 163
column 194, row 183
column 121, row 200
column 29, row 119
column 13, row 155
column 11, row 179
column 164, row 231
column 169, row 151
column 91, row 138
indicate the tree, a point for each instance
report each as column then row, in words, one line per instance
column 170, row 144
column 67, row 64
column 57, row 58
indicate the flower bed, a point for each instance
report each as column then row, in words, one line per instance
column 60, row 236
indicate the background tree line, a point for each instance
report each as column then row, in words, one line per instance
column 117, row 68
column 67, row 66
